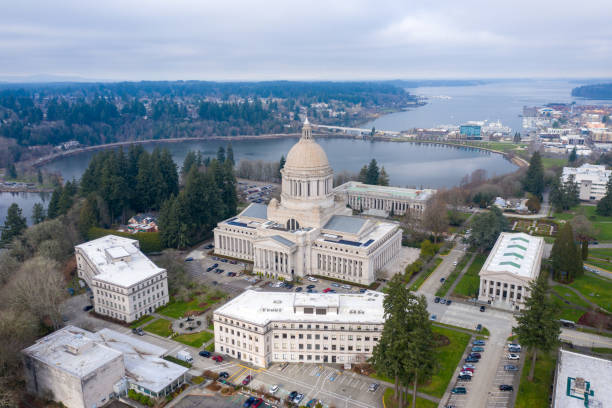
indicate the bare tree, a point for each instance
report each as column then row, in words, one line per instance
column 435, row 217
column 18, row 329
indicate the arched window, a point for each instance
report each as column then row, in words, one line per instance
column 292, row 224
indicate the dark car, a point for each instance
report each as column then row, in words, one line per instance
column 442, row 279
column 247, row 380
column 475, row 355
column 138, row 331
column 233, row 262
column 459, row 390
column 189, row 259
column 205, row 353
column 215, row 265
column 289, row 285
column 465, row 377
column 292, row 394
column 298, row 289
column 482, row 308
column 478, row 327
column 478, row 343
column 210, row 268
column 514, row 350
column 362, row 290
column 310, row 286
column 223, row 374
column 510, row 367
column 506, row 387
column 248, row 402
column 437, row 300
column 87, row 308
column 443, row 301
column 448, row 302
column 471, row 360
column 224, row 260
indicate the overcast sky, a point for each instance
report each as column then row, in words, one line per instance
column 330, row 39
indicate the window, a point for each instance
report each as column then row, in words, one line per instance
column 321, row 312
column 308, row 310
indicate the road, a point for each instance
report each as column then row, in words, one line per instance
column 431, row 285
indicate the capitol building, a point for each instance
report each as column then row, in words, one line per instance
column 311, row 231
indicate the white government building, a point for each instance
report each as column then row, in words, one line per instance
column 591, row 179
column 82, row 369
column 125, row 284
column 514, row 262
column 311, row 230
column 265, row 327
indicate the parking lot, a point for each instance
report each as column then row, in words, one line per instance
column 498, row 398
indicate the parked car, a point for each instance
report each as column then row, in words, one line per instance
column 311, row 403
column 310, row 278
column 513, row 356
column 471, row 360
column 437, row 300
column 475, row 355
column 469, row 366
column 298, row 398
column 459, row 390
column 205, row 353
column 138, row 331
column 298, row 289
column 433, row 317
column 257, row 403
column 442, row 279
column 506, row 387
column 335, row 285
column 478, row 327
column 346, row 287
column 373, row 387
column 514, row 350
column 218, row 359
column 469, row 369
column 87, row 308
column 248, row 402
column 223, row 374
column 326, row 290
column 224, row 260
column 514, row 345
column 443, row 301
column 189, row 259
column 448, row 302
column 233, row 262
column 478, row 343
column 466, row 372
column 247, row 380
column 310, row 286
column 215, row 265
column 274, row 388
column 332, row 291
column 465, row 377
column 482, row 308
column 292, row 395
column 510, row 367
column 210, row 268
column 478, row 349
column 363, row 290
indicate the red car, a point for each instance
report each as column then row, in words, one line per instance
column 326, row 290
column 247, row 380
column 257, row 403
column 218, row 359
column 470, row 369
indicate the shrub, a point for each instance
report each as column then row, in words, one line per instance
column 149, row 241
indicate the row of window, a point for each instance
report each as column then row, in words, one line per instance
column 308, row 326
column 317, row 336
column 324, row 347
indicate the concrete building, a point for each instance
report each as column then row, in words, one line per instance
column 582, row 381
column 471, row 131
column 591, row 179
column 310, row 231
column 125, row 284
column 360, row 196
column 82, row 369
column 514, row 262
column 265, row 327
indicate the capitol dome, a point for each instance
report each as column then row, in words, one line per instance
column 307, row 154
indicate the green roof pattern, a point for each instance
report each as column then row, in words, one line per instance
column 510, row 263
column 514, row 254
column 520, row 239
column 517, row 246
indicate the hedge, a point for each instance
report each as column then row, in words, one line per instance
column 149, row 241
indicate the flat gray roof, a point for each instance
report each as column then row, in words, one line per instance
column 345, row 223
column 256, row 210
column 281, row 240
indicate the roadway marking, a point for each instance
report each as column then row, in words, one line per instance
column 237, row 374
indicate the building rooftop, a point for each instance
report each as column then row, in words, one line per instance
column 71, row 350
column 283, row 241
column 345, row 223
column 260, row 308
column 515, row 253
column 587, row 171
column 386, row 191
column 143, row 363
column 119, row 261
column 582, row 381
column 255, row 210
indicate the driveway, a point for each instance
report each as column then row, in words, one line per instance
column 431, row 285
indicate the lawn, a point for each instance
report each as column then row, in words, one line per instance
column 453, row 275
column 470, row 282
column 177, row 309
column 425, row 274
column 599, row 263
column 447, row 358
column 141, row 321
column 161, row 327
column 549, row 162
column 597, row 290
column 568, row 294
column 600, row 223
column 195, row 339
column 536, row 393
column 210, row 347
column 389, row 402
column 565, row 311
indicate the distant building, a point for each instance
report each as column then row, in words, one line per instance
column 261, row 328
column 590, row 178
column 360, row 196
column 142, row 223
column 514, row 262
column 582, row 381
column 471, row 132
column 125, row 284
column 82, row 369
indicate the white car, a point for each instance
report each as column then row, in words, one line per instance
column 512, row 356
column 466, row 373
column 346, row 287
column 273, row 389
column 514, row 346
column 310, row 278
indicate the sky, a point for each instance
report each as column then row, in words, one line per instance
column 304, row 40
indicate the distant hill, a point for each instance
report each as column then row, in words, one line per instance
column 595, row 91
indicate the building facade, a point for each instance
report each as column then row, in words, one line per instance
column 310, row 231
column 125, row 284
column 390, row 200
column 514, row 262
column 82, row 369
column 591, row 179
column 266, row 327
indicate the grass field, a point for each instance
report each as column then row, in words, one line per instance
column 389, row 402
column 600, row 264
column 536, row 393
column 177, row 309
column 195, row 339
column 161, row 327
column 425, row 274
column 549, row 162
column 566, row 311
column 141, row 321
column 597, row 290
column 210, row 347
column 602, row 224
column 568, row 294
column 470, row 282
column 442, row 290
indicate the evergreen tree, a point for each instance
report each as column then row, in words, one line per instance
column 14, row 224
column 486, row 227
column 89, row 216
column 534, row 179
column 604, row 206
column 557, row 195
column 566, row 261
column 281, row 165
column 11, row 171
column 573, row 156
column 572, row 192
column 363, row 174
column 189, row 162
column 39, row 176
column 230, row 154
column 372, row 173
column 538, row 327
column 517, row 137
column 38, row 213
column 53, row 209
column 383, row 177
column 221, row 154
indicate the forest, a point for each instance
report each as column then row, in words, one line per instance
column 594, row 91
